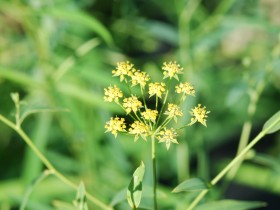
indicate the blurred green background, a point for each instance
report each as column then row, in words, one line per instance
column 60, row 54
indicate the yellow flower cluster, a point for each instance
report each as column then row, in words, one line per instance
column 112, row 94
column 140, row 78
column 150, row 115
column 167, row 136
column 185, row 88
column 173, row 111
column 150, row 122
column 199, row 114
column 139, row 128
column 156, row 89
column 123, row 69
column 115, row 125
column 131, row 104
column 171, row 69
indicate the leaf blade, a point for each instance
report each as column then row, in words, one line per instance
column 194, row 184
column 134, row 190
column 275, row 119
column 230, row 205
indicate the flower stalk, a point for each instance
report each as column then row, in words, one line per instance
column 151, row 120
column 154, row 162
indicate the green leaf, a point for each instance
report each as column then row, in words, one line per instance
column 119, row 197
column 134, row 191
column 61, row 205
column 194, row 184
column 82, row 18
column 32, row 186
column 80, row 201
column 33, row 110
column 15, row 97
column 275, row 119
column 230, row 205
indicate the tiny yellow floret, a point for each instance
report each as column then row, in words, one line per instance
column 156, row 89
column 173, row 111
column 131, row 104
column 199, row 114
column 167, row 136
column 138, row 128
column 171, row 69
column 185, row 88
column 150, row 114
column 139, row 77
column 115, row 125
column 123, row 69
column 112, row 94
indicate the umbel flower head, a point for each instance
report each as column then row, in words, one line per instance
column 151, row 120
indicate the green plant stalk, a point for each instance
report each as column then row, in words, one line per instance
column 154, row 172
column 247, row 126
column 232, row 163
column 31, row 188
column 48, row 164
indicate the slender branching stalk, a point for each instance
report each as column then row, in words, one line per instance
column 235, row 161
column 17, row 128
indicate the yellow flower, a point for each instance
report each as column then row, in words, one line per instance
column 173, row 111
column 139, row 77
column 167, row 136
column 199, row 114
column 171, row 69
column 185, row 88
column 150, row 115
column 115, row 125
column 156, row 89
column 139, row 128
column 112, row 94
column 131, row 104
column 123, row 69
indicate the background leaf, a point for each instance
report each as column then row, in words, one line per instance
column 270, row 121
column 194, row 184
column 134, row 191
column 230, row 205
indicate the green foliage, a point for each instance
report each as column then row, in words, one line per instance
column 231, row 205
column 194, row 184
column 275, row 121
column 134, row 190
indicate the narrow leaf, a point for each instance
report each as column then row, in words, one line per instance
column 61, row 205
column 230, row 205
column 274, row 119
column 134, row 191
column 82, row 18
column 194, row 184
column 80, row 201
column 119, row 197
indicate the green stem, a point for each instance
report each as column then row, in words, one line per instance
column 232, row 163
column 154, row 172
column 47, row 163
column 247, row 127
